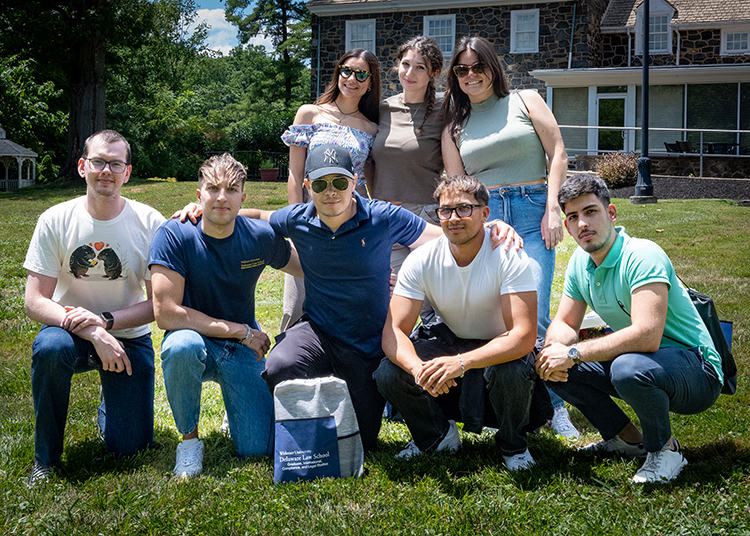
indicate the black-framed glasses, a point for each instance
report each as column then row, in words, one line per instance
column 116, row 166
column 321, row 185
column 359, row 74
column 462, row 211
column 461, row 70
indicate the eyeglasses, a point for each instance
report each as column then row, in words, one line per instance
column 462, row 211
column 359, row 75
column 321, row 185
column 462, row 70
column 115, row 166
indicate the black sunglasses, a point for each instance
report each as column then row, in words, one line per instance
column 359, row 75
column 321, row 185
column 462, row 70
column 462, row 211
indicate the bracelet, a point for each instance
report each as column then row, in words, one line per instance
column 248, row 334
column 463, row 368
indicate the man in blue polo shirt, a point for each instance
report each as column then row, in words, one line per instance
column 344, row 243
column 660, row 357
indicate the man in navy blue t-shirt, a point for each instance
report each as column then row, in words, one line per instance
column 204, row 278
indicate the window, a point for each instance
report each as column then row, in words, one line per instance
column 735, row 41
column 524, row 31
column 659, row 31
column 658, row 34
column 442, row 29
column 360, row 34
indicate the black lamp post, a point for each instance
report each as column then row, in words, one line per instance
column 644, row 190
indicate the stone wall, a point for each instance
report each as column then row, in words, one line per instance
column 697, row 47
column 493, row 23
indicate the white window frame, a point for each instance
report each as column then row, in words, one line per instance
column 361, row 22
column 514, row 47
column 726, row 32
column 661, row 9
column 447, row 53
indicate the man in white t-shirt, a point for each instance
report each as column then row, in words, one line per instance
column 87, row 269
column 477, row 365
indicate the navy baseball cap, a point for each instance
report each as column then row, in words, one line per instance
column 328, row 159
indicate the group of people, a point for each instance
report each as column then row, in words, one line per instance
column 486, row 353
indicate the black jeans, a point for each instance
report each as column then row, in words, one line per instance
column 303, row 351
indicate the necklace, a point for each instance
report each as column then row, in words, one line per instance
column 413, row 115
column 343, row 115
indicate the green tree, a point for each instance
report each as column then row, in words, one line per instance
column 286, row 22
column 70, row 41
column 24, row 105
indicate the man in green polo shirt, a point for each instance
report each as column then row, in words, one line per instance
column 660, row 357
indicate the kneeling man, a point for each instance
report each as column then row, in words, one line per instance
column 660, row 357
column 204, row 280
column 477, row 366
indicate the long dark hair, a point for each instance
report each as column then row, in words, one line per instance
column 369, row 104
column 457, row 106
column 429, row 49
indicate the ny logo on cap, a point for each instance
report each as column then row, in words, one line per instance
column 331, row 157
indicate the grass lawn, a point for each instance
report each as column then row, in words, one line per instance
column 470, row 492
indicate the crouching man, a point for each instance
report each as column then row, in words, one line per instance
column 660, row 357
column 477, row 366
column 204, row 278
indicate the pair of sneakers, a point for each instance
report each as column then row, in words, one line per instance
column 452, row 442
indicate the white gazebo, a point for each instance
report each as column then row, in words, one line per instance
column 25, row 160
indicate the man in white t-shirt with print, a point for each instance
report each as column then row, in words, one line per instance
column 89, row 285
column 477, row 365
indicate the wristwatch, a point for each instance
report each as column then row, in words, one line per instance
column 109, row 319
column 574, row 355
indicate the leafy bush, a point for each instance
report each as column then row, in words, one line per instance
column 263, row 134
column 47, row 170
column 618, row 170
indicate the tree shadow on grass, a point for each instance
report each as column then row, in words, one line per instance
column 478, row 465
column 89, row 459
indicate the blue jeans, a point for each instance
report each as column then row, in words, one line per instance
column 188, row 359
column 507, row 398
column 58, row 354
column 653, row 384
column 523, row 207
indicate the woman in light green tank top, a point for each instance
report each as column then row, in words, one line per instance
column 512, row 143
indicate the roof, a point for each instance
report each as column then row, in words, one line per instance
column 346, row 7
column 8, row 148
column 697, row 13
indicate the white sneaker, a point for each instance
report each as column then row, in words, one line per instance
column 661, row 466
column 618, row 446
column 189, row 458
column 519, row 461
column 562, row 424
column 450, row 442
column 224, row 428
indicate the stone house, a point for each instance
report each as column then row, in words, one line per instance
column 584, row 56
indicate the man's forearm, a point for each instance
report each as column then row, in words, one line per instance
column 186, row 318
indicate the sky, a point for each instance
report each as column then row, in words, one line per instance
column 222, row 36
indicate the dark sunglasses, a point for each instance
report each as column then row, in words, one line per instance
column 321, row 185
column 462, row 70
column 462, row 211
column 359, row 75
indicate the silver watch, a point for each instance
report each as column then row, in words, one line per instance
column 574, row 355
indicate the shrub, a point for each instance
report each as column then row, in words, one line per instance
column 47, row 171
column 618, row 170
